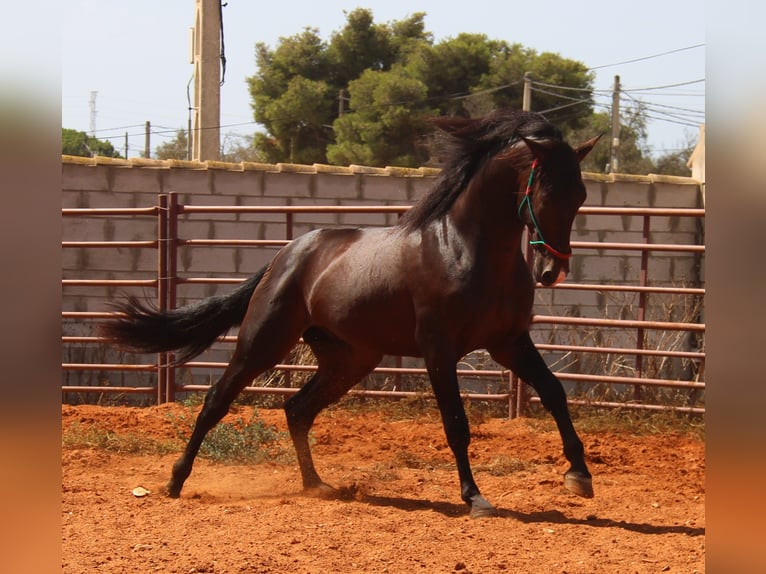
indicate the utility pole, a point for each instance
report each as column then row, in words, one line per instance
column 526, row 101
column 126, row 145
column 614, row 165
column 147, row 140
column 189, row 148
column 92, row 103
column 207, row 81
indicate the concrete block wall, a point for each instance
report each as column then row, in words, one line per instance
column 107, row 182
column 622, row 267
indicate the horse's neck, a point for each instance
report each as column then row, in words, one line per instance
column 488, row 212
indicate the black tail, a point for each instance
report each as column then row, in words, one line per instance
column 188, row 330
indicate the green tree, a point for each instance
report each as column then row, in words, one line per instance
column 453, row 68
column 361, row 45
column 177, row 148
column 364, row 96
column 597, row 161
column 632, row 155
column 562, row 88
column 292, row 99
column 297, row 87
column 675, row 162
column 387, row 123
column 83, row 145
column 237, row 148
column 408, row 36
column 299, row 119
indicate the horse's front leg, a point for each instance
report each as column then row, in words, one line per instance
column 522, row 358
column 444, row 381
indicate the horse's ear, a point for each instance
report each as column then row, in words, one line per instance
column 540, row 149
column 584, row 149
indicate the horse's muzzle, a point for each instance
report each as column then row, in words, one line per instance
column 549, row 271
column 549, row 278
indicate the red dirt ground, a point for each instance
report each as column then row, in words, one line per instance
column 402, row 511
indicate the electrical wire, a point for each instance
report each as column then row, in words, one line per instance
column 666, row 86
column 679, row 118
column 221, row 6
column 647, row 57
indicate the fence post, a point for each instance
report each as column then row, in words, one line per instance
column 162, row 291
column 172, row 283
column 288, row 377
column 642, row 281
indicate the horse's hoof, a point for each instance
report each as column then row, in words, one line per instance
column 322, row 490
column 172, row 491
column 579, row 484
column 480, row 508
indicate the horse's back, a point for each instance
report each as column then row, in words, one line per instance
column 353, row 285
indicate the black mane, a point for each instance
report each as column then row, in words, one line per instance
column 466, row 145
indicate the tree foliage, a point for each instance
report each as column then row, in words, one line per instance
column 177, row 148
column 292, row 98
column 387, row 123
column 365, row 95
column 81, row 144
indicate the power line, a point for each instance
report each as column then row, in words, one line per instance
column 120, row 128
column 543, row 84
column 595, row 93
column 687, row 117
column 465, row 95
column 667, row 86
column 549, row 93
column 647, row 57
column 690, row 111
column 680, row 119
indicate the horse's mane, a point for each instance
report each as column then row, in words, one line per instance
column 464, row 147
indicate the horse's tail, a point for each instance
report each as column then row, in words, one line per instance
column 188, row 330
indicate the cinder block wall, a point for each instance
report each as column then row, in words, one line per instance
column 105, row 182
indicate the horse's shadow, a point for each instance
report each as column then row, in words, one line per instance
column 538, row 517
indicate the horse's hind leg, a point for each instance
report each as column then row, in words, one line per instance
column 340, row 367
column 261, row 343
column 522, row 358
column 216, row 405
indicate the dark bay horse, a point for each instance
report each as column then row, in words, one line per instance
column 449, row 278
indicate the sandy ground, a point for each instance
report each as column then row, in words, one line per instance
column 401, row 511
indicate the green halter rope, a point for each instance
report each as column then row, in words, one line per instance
column 528, row 201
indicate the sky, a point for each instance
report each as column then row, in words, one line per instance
column 135, row 55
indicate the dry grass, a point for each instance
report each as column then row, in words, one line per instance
column 81, row 436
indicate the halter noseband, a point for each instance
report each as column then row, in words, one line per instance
column 528, row 201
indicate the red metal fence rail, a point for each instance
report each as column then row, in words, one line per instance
column 169, row 210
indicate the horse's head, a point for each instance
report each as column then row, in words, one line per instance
column 554, row 193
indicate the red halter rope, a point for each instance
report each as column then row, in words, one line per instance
column 528, row 200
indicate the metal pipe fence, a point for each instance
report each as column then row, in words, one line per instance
column 169, row 211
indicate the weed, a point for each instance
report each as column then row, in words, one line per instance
column 79, row 436
column 237, row 441
column 406, row 459
column 588, row 419
column 503, row 466
column 401, row 409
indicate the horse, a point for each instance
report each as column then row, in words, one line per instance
column 448, row 278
